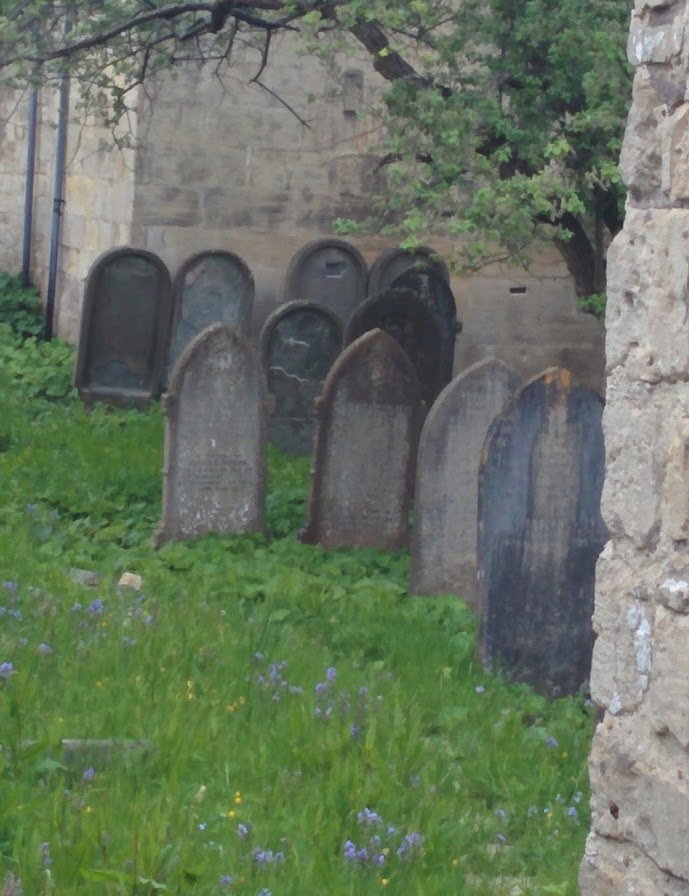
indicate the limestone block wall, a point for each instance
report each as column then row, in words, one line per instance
column 639, row 765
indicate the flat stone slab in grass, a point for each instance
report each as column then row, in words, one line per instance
column 443, row 548
column 331, row 272
column 298, row 345
column 402, row 314
column 215, row 439
column 125, row 325
column 540, row 533
column 368, row 425
column 210, row 287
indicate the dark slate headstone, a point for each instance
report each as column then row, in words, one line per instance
column 215, row 439
column 540, row 533
column 298, row 345
column 125, row 325
column 434, row 291
column 443, row 549
column 393, row 262
column 417, row 329
column 331, row 272
column 368, row 424
column 210, row 287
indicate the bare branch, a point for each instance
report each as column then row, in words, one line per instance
column 282, row 102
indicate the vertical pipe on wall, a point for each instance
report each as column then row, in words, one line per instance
column 58, row 198
column 28, row 191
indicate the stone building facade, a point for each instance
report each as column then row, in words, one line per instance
column 639, row 765
column 224, row 164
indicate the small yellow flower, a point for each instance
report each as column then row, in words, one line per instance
column 230, row 707
column 384, row 881
column 242, row 701
column 455, row 862
column 99, row 684
column 237, row 798
column 88, row 809
column 231, row 814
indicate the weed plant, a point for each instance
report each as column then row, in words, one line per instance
column 301, row 725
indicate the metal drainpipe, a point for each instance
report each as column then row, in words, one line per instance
column 58, row 199
column 28, row 193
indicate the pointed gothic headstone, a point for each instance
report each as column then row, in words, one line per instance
column 215, row 439
column 368, row 424
column 540, row 533
column 443, row 549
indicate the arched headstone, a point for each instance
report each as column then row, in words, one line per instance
column 210, row 287
column 417, row 329
column 434, row 291
column 125, row 325
column 393, row 262
column 215, row 439
column 298, row 345
column 540, row 533
column 443, row 548
column 368, row 424
column 329, row 271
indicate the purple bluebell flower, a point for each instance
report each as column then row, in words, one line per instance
column 148, row 620
column 225, row 880
column 95, row 608
column 572, row 812
column 350, row 850
column 501, row 839
column 552, row 741
column 331, row 673
column 500, row 813
column 76, row 607
column 46, row 858
column 6, row 669
column 411, row 842
column 264, row 891
column 369, row 817
column 45, row 649
column 243, row 830
column 12, row 587
column 321, row 688
column 88, row 775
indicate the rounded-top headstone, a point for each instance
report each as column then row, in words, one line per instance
column 393, row 262
column 298, row 344
column 125, row 325
column 417, row 329
column 211, row 287
column 329, row 271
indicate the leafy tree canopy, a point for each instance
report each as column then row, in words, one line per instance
column 504, row 118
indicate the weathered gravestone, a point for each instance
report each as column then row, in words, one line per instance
column 443, row 548
column 298, row 345
column 540, row 533
column 402, row 315
column 210, row 287
column 215, row 439
column 124, row 328
column 434, row 291
column 393, row 262
column 368, row 425
column 328, row 271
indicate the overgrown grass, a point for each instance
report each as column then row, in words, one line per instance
column 309, row 728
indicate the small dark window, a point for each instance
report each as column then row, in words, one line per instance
column 517, row 290
column 335, row 269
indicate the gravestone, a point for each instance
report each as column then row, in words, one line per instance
column 393, row 262
column 210, row 287
column 540, row 533
column 330, row 272
column 369, row 419
column 417, row 330
column 215, row 439
column 434, row 291
column 443, row 548
column 124, row 328
column 298, row 344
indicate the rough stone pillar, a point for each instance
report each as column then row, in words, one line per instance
column 639, row 766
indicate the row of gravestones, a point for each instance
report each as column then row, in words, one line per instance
column 524, row 460
column 135, row 323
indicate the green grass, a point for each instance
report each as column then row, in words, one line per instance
column 220, row 664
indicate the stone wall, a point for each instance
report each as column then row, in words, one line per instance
column 639, row 765
column 226, row 164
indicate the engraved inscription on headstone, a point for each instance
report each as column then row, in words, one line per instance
column 124, row 328
column 443, row 549
column 215, row 439
column 434, row 291
column 329, row 271
column 298, row 344
column 393, row 262
column 417, row 330
column 210, row 287
column 368, row 424
column 540, row 533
